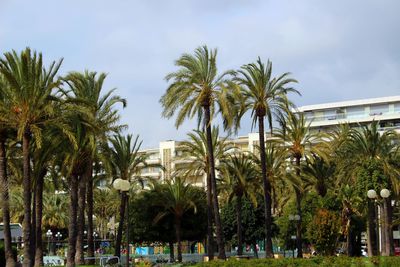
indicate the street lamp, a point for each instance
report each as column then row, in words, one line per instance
column 49, row 235
column 386, row 235
column 124, row 186
column 95, row 235
column 294, row 218
column 58, row 236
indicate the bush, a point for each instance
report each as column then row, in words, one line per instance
column 313, row 262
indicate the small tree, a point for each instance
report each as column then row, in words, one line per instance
column 325, row 231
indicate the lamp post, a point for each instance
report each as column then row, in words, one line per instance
column 95, row 235
column 294, row 218
column 49, row 235
column 124, row 186
column 386, row 240
column 58, row 236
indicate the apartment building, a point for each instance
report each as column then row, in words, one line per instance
column 323, row 117
column 168, row 154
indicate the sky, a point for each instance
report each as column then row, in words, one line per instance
column 337, row 50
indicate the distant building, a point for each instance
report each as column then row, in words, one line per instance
column 324, row 117
column 16, row 231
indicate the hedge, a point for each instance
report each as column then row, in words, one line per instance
column 313, row 262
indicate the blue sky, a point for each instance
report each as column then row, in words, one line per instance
column 337, row 50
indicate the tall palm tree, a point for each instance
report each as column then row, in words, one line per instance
column 125, row 162
column 176, row 197
column 86, row 93
column 4, row 183
column 299, row 143
column 239, row 179
column 30, row 102
column 197, row 90
column 195, row 152
column 265, row 96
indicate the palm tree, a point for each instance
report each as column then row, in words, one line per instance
column 4, row 184
column 30, row 102
column 195, row 152
column 197, row 90
column 239, row 179
column 299, row 143
column 55, row 207
column 125, row 162
column 319, row 173
column 86, row 95
column 266, row 97
column 177, row 198
column 106, row 202
column 368, row 146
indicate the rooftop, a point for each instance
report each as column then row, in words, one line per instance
column 359, row 102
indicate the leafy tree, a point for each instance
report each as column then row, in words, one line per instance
column 145, row 207
column 265, row 96
column 252, row 221
column 197, row 90
column 325, row 231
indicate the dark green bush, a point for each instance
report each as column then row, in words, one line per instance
column 313, row 262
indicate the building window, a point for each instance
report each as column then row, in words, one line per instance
column 376, row 110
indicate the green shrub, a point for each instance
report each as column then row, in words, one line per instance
column 313, row 262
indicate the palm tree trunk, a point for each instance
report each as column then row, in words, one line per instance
column 4, row 198
column 178, row 237
column 121, row 224
column 218, row 225
column 27, row 199
column 239, row 224
column 79, row 257
column 267, row 191
column 210, row 247
column 171, row 251
column 33, row 224
column 72, row 220
column 299, row 238
column 90, row 212
column 39, row 213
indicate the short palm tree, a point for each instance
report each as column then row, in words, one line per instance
column 265, row 96
column 319, row 172
column 176, row 197
column 368, row 145
column 30, row 105
column 196, row 89
column 194, row 151
column 125, row 162
column 299, row 142
column 239, row 180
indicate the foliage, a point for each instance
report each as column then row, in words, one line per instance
column 143, row 210
column 325, row 231
column 252, row 221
